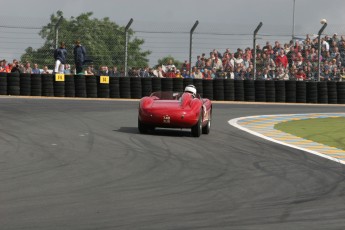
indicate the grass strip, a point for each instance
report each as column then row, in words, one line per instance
column 327, row 131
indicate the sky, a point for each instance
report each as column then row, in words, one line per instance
column 165, row 25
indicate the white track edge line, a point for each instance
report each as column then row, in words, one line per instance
column 234, row 123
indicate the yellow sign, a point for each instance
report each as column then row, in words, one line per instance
column 104, row 80
column 59, row 77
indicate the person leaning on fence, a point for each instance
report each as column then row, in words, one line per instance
column 60, row 55
column 79, row 53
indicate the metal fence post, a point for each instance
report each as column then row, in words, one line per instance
column 254, row 48
column 126, row 46
column 57, row 32
column 319, row 50
column 190, row 45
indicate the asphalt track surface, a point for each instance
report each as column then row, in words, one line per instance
column 81, row 164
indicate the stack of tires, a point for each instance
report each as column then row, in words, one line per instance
column 36, row 85
column 125, row 87
column 218, row 89
column 13, row 84
column 114, row 87
column 3, row 83
column 91, row 86
column 249, row 90
column 311, row 92
column 103, row 90
column 25, row 84
column 341, row 92
column 207, row 87
column 47, row 85
column 80, row 85
column 239, row 90
column 229, row 89
column 260, row 91
column 69, row 86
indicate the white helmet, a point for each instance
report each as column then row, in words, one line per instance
column 191, row 89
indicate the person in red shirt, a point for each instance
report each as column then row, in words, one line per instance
column 300, row 75
column 281, row 59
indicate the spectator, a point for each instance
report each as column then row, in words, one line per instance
column 79, row 56
column 178, row 74
column 16, row 67
column 3, row 65
column 67, row 69
column 36, row 70
column 300, row 75
column 27, row 68
column 60, row 55
column 282, row 74
column 114, row 72
column 45, row 70
column 281, row 60
column 185, row 73
column 89, row 71
column 159, row 72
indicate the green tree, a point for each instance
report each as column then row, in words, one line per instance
column 165, row 60
column 104, row 42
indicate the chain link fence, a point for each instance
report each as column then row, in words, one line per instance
column 233, row 42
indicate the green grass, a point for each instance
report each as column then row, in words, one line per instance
column 327, row 131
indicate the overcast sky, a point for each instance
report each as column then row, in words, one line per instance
column 215, row 17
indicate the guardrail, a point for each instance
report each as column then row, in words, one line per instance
column 86, row 86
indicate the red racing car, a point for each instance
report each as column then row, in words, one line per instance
column 175, row 110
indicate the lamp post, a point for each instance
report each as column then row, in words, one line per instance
column 324, row 23
column 126, row 45
column 293, row 20
column 254, row 48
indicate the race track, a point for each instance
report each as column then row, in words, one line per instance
column 81, row 164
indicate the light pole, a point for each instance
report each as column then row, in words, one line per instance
column 324, row 22
column 293, row 20
column 254, row 48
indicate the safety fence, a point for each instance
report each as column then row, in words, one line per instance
column 85, row 86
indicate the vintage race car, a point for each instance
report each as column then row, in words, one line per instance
column 175, row 110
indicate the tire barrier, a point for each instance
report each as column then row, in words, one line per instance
column 125, row 87
column 239, row 90
column 59, row 86
column 135, row 83
column 167, row 84
column 25, row 84
column 198, row 85
column 260, row 91
column 301, row 92
column 290, row 91
column 156, row 84
column 341, row 92
column 207, row 87
column 280, row 91
column 311, row 92
column 103, row 90
column 69, row 86
column 3, row 83
column 249, row 90
column 36, row 85
column 187, row 81
column 322, row 94
column 218, row 89
column 146, row 86
column 80, row 86
column 178, row 85
column 13, row 84
column 270, row 91
column 229, row 90
column 114, row 87
column 133, row 87
column 91, row 86
column 332, row 92
column 47, row 85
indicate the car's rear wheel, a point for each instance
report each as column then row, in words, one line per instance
column 206, row 129
column 197, row 128
column 142, row 127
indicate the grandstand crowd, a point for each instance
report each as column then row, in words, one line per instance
column 296, row 60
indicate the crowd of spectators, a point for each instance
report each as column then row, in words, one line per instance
column 296, row 60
